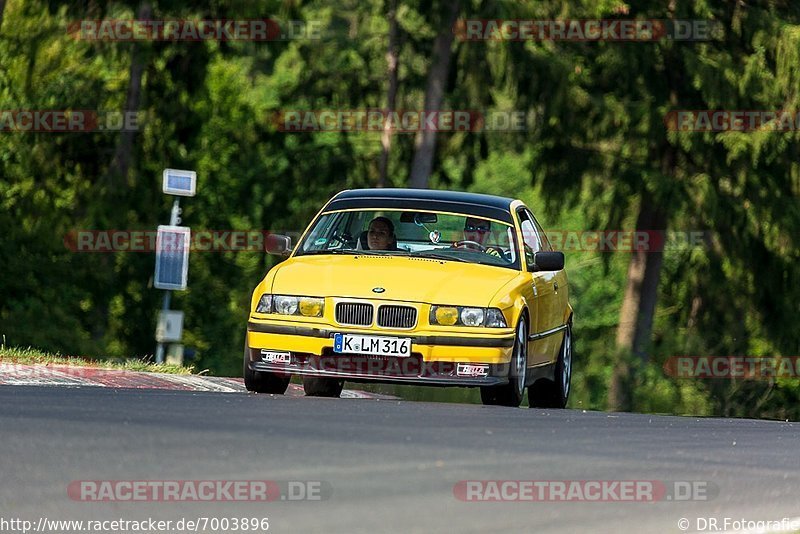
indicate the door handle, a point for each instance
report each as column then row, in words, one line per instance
column 555, row 286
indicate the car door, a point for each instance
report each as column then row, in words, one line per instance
column 542, row 286
column 558, row 297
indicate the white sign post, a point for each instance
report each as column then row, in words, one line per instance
column 172, row 256
column 179, row 183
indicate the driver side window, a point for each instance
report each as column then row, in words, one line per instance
column 530, row 238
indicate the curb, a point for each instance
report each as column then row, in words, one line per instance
column 14, row 374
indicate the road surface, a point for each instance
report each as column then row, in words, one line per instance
column 385, row 465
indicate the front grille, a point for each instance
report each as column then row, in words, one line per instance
column 356, row 313
column 397, row 316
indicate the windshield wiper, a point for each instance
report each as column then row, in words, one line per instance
column 372, row 253
column 348, row 251
column 332, row 251
column 445, row 257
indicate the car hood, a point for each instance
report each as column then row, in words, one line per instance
column 402, row 278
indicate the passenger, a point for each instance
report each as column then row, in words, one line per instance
column 380, row 235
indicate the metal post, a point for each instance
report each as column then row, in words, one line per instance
column 174, row 220
column 160, row 346
column 175, row 215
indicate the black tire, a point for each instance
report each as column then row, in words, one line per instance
column 263, row 382
column 511, row 394
column 316, row 386
column 555, row 393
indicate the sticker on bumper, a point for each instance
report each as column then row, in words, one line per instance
column 465, row 369
column 271, row 356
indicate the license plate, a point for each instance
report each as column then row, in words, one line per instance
column 381, row 346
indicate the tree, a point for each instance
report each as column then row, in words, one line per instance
column 425, row 140
column 391, row 94
column 121, row 162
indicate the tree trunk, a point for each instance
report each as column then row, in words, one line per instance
column 123, row 154
column 641, row 292
column 391, row 60
column 639, row 302
column 425, row 141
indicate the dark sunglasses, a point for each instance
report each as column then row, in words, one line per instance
column 473, row 228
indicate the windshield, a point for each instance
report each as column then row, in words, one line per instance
column 445, row 236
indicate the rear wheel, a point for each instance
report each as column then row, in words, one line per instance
column 261, row 381
column 316, row 386
column 555, row 393
column 511, row 394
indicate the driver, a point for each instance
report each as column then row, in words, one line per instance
column 478, row 230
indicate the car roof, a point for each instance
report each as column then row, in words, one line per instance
column 476, row 204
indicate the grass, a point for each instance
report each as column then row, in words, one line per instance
column 31, row 355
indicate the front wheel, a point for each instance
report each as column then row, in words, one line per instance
column 263, row 382
column 511, row 394
column 554, row 394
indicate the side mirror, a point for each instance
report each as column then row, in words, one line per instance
column 280, row 245
column 548, row 261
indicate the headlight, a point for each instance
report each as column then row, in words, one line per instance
column 291, row 305
column 467, row 316
column 446, row 315
column 264, row 304
column 311, row 306
column 495, row 318
column 285, row 305
column 472, row 316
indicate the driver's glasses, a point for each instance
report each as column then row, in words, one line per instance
column 473, row 228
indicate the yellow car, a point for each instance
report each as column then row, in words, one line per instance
column 420, row 287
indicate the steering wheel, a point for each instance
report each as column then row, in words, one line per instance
column 466, row 243
column 342, row 237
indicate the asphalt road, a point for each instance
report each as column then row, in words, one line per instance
column 387, row 466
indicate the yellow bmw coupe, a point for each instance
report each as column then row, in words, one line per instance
column 415, row 286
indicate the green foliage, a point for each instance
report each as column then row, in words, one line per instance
column 29, row 355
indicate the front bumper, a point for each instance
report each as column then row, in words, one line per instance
column 434, row 360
